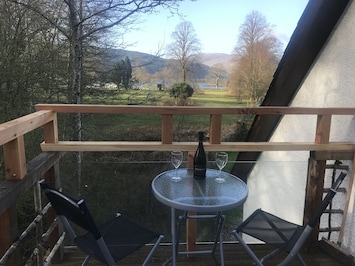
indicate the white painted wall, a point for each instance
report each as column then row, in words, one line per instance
column 277, row 183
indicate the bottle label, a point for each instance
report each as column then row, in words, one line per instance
column 200, row 172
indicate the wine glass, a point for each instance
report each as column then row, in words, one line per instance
column 221, row 161
column 176, row 159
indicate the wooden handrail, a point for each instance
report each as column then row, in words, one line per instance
column 20, row 126
column 324, row 114
column 103, row 146
column 197, row 110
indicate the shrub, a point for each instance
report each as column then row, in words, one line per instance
column 181, row 91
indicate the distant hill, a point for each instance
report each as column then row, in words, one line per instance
column 154, row 64
column 151, row 63
column 211, row 59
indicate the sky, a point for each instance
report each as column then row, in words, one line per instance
column 216, row 23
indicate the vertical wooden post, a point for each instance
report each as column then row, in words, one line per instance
column 190, row 223
column 15, row 165
column 51, row 136
column 51, row 130
column 190, row 159
column 52, row 179
column 167, row 129
column 8, row 234
column 323, row 129
column 15, row 159
column 315, row 179
column 215, row 129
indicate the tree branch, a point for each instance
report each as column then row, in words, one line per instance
column 43, row 15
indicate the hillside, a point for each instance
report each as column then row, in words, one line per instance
column 154, row 64
column 151, row 63
column 212, row 59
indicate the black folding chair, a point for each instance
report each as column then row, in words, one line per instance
column 108, row 243
column 281, row 234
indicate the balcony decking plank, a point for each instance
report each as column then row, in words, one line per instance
column 233, row 253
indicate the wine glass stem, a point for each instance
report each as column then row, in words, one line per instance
column 175, row 172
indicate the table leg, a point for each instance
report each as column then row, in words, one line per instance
column 221, row 249
column 173, row 235
column 219, row 236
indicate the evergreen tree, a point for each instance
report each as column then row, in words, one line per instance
column 122, row 73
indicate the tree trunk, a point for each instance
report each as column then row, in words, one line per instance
column 75, row 18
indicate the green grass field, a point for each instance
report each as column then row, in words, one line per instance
column 156, row 97
column 214, row 98
column 145, row 127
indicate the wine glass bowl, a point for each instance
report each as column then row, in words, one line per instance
column 221, row 161
column 176, row 160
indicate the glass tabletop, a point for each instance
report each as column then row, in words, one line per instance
column 199, row 195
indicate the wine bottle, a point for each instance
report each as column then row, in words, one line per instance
column 200, row 159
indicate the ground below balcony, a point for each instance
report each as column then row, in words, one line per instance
column 233, row 255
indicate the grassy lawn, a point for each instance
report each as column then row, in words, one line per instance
column 111, row 125
column 156, row 97
column 214, row 98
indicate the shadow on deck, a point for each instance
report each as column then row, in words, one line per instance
column 233, row 255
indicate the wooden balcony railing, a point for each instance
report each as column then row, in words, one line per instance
column 20, row 176
column 324, row 115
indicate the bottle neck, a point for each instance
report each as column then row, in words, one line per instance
column 200, row 137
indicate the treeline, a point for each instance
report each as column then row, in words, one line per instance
column 47, row 48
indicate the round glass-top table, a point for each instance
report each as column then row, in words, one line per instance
column 198, row 195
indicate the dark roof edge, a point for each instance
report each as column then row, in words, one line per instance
column 314, row 28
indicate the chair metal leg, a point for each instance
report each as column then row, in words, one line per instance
column 270, row 255
column 105, row 251
column 147, row 259
column 290, row 257
column 300, row 259
column 86, row 260
column 294, row 253
column 247, row 248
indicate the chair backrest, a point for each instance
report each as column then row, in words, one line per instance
column 73, row 210
column 314, row 221
column 327, row 199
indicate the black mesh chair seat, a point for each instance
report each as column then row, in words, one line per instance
column 122, row 237
column 271, row 229
column 109, row 242
column 279, row 233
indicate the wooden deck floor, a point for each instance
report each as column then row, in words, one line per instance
column 233, row 253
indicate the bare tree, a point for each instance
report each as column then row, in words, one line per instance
column 257, row 55
column 218, row 74
column 185, row 47
column 85, row 19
